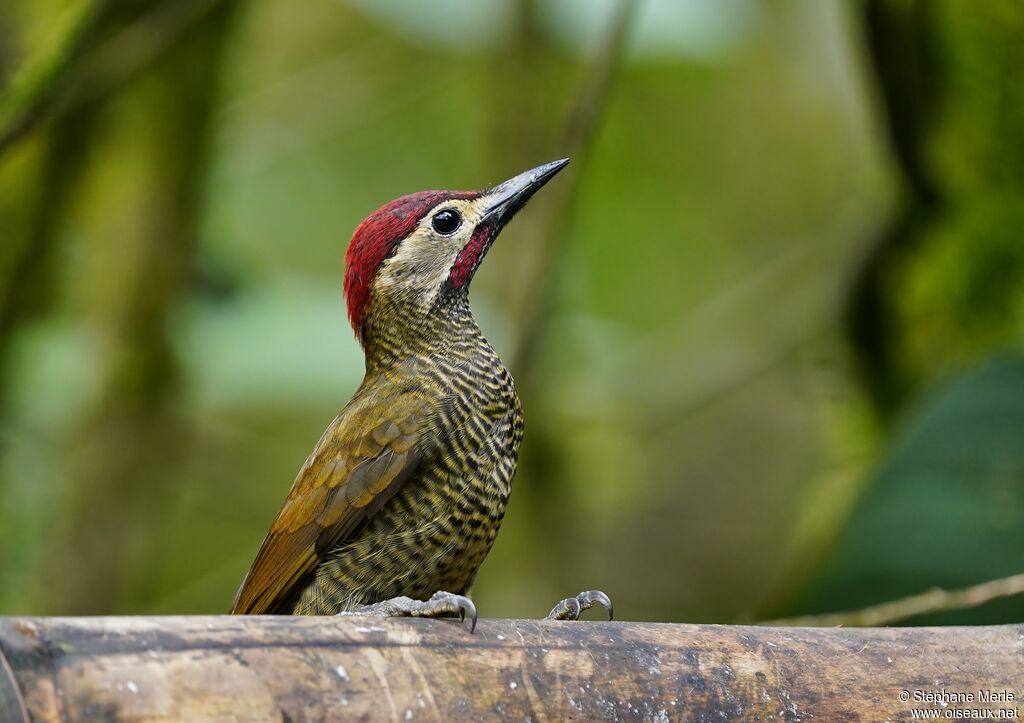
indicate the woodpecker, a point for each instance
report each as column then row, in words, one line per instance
column 401, row 499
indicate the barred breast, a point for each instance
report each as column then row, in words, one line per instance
column 438, row 528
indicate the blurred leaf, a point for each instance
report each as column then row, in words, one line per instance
column 947, row 507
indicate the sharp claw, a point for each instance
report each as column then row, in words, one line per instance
column 467, row 607
column 572, row 607
column 441, row 603
column 588, row 598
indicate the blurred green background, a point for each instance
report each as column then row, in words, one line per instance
column 767, row 332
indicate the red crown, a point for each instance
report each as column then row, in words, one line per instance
column 378, row 237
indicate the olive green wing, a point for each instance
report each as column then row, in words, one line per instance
column 360, row 462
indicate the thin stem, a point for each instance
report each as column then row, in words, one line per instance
column 935, row 600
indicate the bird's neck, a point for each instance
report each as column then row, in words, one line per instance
column 393, row 333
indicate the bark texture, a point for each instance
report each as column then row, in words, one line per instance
column 358, row 668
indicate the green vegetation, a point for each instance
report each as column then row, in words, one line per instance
column 767, row 337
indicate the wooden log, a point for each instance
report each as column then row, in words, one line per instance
column 299, row 669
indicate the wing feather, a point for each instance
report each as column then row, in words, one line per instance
column 353, row 471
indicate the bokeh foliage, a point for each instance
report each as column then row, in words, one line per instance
column 776, row 336
column 945, row 508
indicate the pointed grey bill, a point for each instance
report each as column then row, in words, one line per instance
column 508, row 197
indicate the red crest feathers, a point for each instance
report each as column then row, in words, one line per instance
column 377, row 237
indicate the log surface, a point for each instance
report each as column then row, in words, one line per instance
column 299, row 669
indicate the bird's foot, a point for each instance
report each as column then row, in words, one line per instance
column 571, row 607
column 441, row 604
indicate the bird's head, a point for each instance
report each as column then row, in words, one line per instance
column 421, row 250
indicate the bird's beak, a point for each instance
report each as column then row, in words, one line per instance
column 505, row 199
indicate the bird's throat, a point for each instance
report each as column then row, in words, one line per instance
column 396, row 330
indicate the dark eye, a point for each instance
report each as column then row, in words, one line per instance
column 446, row 221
